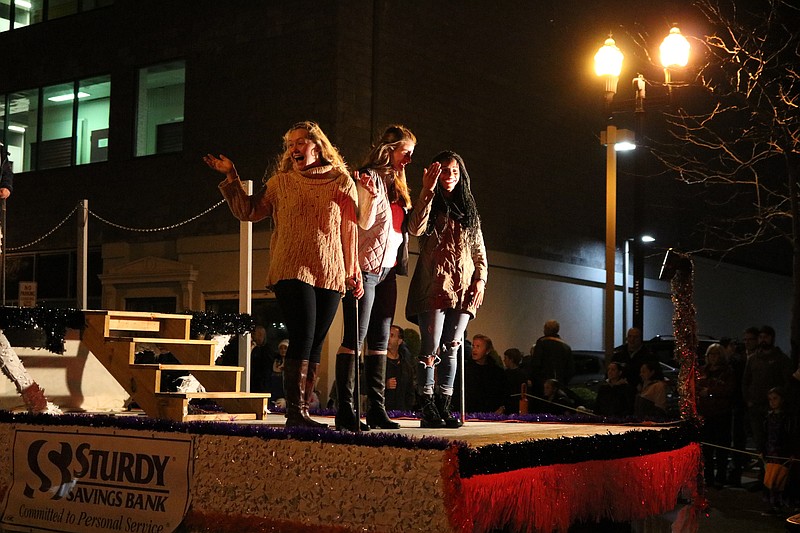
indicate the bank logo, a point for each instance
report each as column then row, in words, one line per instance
column 99, row 481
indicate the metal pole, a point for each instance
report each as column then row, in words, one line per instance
column 611, row 241
column 3, row 237
column 626, row 272
column 245, row 287
column 462, row 380
column 357, row 371
column 638, row 207
column 83, row 254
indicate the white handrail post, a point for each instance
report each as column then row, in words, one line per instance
column 82, row 254
column 245, row 287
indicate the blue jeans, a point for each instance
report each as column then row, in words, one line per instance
column 442, row 331
column 375, row 311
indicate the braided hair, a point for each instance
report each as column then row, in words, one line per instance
column 461, row 204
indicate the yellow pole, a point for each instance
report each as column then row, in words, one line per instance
column 611, row 244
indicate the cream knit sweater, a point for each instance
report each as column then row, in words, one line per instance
column 315, row 235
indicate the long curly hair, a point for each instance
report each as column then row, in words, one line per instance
column 380, row 159
column 328, row 152
column 461, row 204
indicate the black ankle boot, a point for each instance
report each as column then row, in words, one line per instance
column 345, row 419
column 443, row 407
column 430, row 415
column 375, row 374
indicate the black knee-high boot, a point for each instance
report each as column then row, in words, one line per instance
column 345, row 384
column 294, row 386
column 308, row 393
column 375, row 373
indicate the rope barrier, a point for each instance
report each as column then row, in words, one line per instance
column 163, row 228
column 43, row 237
column 114, row 224
column 752, row 454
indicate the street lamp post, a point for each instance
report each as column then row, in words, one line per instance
column 608, row 65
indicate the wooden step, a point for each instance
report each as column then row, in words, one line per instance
column 215, row 378
column 187, row 351
column 114, row 337
column 235, row 405
column 120, row 323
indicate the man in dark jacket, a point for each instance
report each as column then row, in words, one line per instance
column 551, row 356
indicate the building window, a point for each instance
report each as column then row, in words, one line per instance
column 54, row 149
column 21, row 128
column 27, row 12
column 72, row 128
column 159, row 117
column 91, row 133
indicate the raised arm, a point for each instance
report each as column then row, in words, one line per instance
column 251, row 208
column 421, row 210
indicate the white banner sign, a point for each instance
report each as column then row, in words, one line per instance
column 97, row 480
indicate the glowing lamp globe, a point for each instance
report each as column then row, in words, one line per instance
column 674, row 49
column 608, row 64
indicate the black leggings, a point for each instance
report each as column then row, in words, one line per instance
column 308, row 312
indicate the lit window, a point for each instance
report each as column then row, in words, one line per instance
column 92, row 128
column 55, row 146
column 159, row 118
column 22, row 119
column 27, row 12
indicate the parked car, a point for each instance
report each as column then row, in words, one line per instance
column 663, row 346
column 590, row 374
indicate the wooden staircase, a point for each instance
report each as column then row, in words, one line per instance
column 113, row 336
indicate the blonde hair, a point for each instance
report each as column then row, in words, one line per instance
column 328, row 152
column 380, row 159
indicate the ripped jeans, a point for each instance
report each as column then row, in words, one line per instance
column 442, row 332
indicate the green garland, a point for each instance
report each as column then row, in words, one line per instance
column 55, row 322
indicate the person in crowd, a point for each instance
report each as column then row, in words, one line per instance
column 385, row 219
column 766, row 369
column 781, row 443
column 716, row 386
column 633, row 354
column 551, row 357
column 514, row 377
column 448, row 285
column 275, row 387
column 738, row 360
column 313, row 250
column 260, row 361
column 651, row 401
column 401, row 373
column 483, row 379
column 615, row 396
column 556, row 400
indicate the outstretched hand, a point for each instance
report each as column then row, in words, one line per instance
column 431, row 176
column 221, row 164
column 366, row 181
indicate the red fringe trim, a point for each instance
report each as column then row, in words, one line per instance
column 557, row 496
